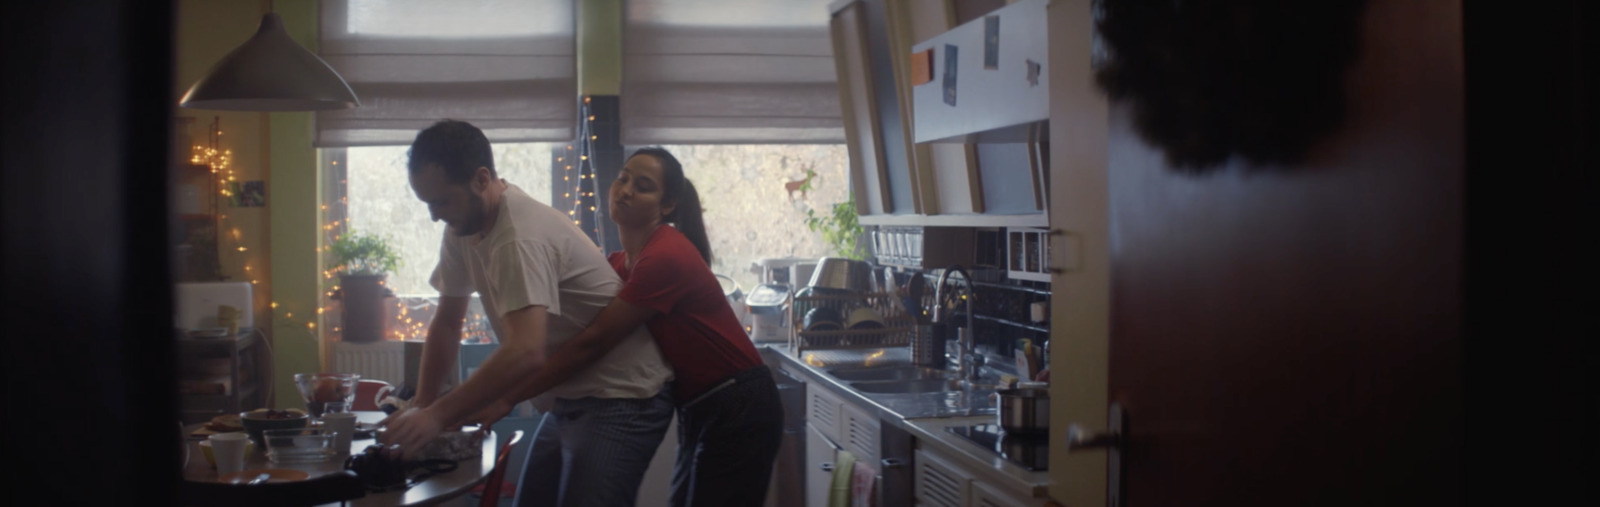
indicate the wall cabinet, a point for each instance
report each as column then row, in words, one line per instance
column 900, row 177
column 877, row 128
column 987, row 81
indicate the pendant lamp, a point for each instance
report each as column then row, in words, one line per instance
column 270, row 72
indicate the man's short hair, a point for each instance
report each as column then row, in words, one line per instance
column 456, row 146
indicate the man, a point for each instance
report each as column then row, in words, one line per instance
column 541, row 281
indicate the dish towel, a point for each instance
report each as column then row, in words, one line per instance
column 861, row 485
column 839, row 490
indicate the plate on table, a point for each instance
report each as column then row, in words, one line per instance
column 273, row 475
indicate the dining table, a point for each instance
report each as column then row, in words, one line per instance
column 432, row 490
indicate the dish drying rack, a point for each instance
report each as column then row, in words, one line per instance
column 898, row 330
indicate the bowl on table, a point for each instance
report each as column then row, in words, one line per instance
column 259, row 420
column 319, row 389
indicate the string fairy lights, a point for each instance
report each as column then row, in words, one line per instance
column 220, row 162
column 582, row 191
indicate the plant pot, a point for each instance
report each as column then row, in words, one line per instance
column 365, row 315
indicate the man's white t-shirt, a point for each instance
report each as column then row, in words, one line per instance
column 536, row 256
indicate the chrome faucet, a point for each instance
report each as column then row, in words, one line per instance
column 970, row 361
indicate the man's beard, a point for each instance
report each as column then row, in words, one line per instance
column 473, row 224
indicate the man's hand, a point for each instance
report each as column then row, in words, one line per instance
column 491, row 414
column 410, row 429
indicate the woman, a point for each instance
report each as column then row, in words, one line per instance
column 729, row 416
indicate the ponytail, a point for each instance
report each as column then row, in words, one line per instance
column 686, row 214
column 687, row 217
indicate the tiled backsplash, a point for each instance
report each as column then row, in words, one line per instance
column 1002, row 308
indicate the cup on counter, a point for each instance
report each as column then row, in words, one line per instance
column 228, row 449
column 343, row 426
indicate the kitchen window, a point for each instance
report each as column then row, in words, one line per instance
column 754, row 204
column 367, row 189
column 755, row 198
column 380, row 201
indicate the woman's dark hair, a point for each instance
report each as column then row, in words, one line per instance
column 458, row 147
column 679, row 192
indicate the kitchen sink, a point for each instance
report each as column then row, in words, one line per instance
column 888, row 373
column 920, row 386
column 908, row 386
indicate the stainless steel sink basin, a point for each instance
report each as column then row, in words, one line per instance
column 887, row 373
column 908, row 386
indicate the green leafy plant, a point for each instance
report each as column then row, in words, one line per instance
column 840, row 229
column 363, row 254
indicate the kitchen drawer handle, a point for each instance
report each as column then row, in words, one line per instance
column 889, row 463
column 827, row 467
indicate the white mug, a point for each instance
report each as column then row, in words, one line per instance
column 343, row 424
column 228, row 449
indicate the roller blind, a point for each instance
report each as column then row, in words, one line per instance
column 728, row 71
column 507, row 66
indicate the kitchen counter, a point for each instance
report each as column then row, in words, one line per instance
column 926, row 416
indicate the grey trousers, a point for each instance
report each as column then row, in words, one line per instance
column 593, row 451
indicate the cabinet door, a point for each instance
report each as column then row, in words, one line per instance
column 983, row 89
column 861, row 126
column 985, row 495
column 938, row 483
column 859, row 434
column 876, row 129
column 945, row 173
column 1009, row 178
column 822, row 411
column 819, row 467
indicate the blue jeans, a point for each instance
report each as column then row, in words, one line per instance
column 593, row 451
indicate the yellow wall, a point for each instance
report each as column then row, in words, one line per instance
column 599, row 47
column 296, row 233
column 206, row 31
column 275, row 148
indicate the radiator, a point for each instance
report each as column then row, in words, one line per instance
column 384, row 360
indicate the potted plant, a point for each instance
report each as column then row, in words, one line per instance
column 363, row 262
column 840, row 229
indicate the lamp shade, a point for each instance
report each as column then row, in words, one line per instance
column 270, row 72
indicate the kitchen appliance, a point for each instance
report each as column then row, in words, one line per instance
column 197, row 304
column 1023, row 411
column 779, row 270
column 768, row 320
column 1028, row 451
column 801, row 271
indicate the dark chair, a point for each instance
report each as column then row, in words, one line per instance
column 335, row 487
column 491, row 487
